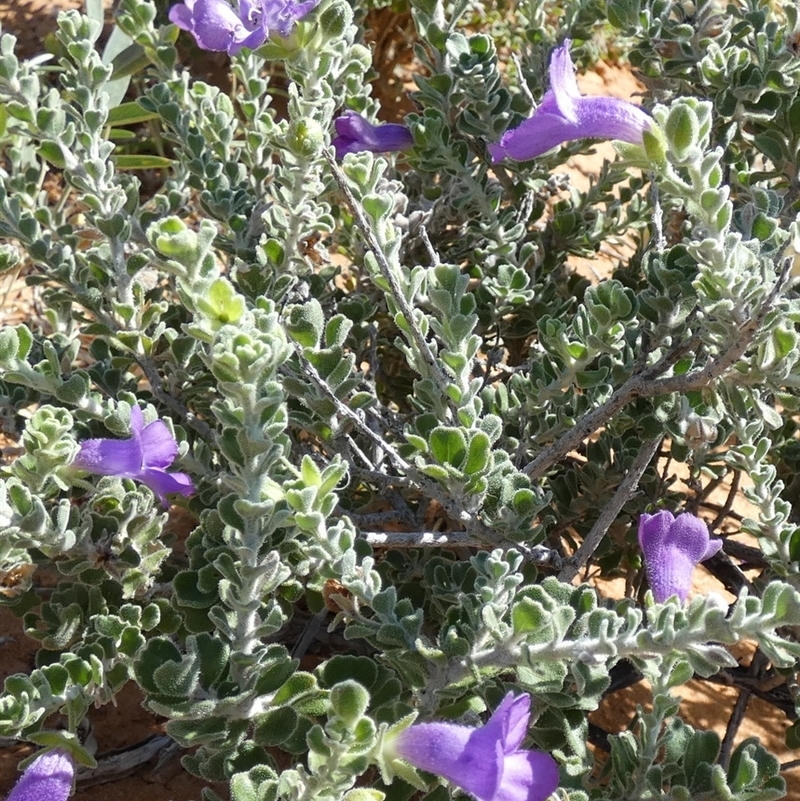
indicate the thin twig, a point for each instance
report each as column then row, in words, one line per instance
column 171, row 402
column 424, row 484
column 421, row 539
column 723, row 513
column 758, row 664
column 524, row 89
column 310, row 631
column 354, row 417
column 361, row 455
column 609, row 514
column 387, row 272
column 534, row 554
column 752, row 557
column 123, row 762
column 432, row 254
column 722, row 567
column 590, row 422
column 375, row 518
column 658, row 216
column 734, row 722
column 646, row 384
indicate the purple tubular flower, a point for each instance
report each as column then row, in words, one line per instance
column 355, row 135
column 564, row 115
column 47, row 778
column 216, row 26
column 281, row 15
column 672, row 546
column 486, row 762
column 144, row 457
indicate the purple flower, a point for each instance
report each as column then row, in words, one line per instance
column 486, row 762
column 564, row 115
column 281, row 15
column 355, row 135
column 47, row 778
column 672, row 546
column 216, row 26
column 144, row 457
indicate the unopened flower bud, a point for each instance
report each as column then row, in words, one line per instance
column 700, row 432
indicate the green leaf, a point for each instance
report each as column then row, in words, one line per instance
column 349, row 701
column 479, row 454
column 116, row 88
column 682, row 129
column 305, row 323
column 298, row 685
column 131, row 60
column 141, row 162
column 772, row 145
column 275, row 726
column 51, row 152
column 448, row 445
column 528, row 615
column 129, row 114
column 702, row 749
column 94, row 10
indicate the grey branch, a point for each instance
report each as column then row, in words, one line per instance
column 426, row 485
column 122, row 763
column 371, row 239
column 647, row 384
column 535, row 554
column 609, row 514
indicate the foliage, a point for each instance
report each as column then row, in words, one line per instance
column 409, row 418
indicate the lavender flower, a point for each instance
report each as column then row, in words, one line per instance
column 144, row 457
column 216, row 26
column 672, row 546
column 355, row 135
column 47, row 778
column 564, row 115
column 486, row 762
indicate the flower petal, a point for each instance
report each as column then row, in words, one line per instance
column 47, row 778
column 216, row 25
column 163, row 483
column 110, row 457
column 713, row 548
column 486, row 761
column 356, row 135
column 281, row 15
column 563, row 83
column 536, row 135
column 527, row 776
column 159, row 447
column 181, row 15
column 564, row 115
column 670, row 575
column 254, row 40
column 251, row 13
column 392, row 136
column 654, row 530
column 137, row 421
column 351, row 127
column 458, row 753
column 509, row 723
column 611, row 118
column 689, row 534
column 672, row 547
